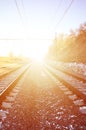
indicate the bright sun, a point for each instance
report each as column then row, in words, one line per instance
column 35, row 49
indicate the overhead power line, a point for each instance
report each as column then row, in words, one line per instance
column 65, row 12
column 59, row 5
column 10, row 39
column 21, row 39
column 22, row 5
column 22, row 18
column 57, row 10
column 19, row 12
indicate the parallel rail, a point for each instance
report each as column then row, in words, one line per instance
column 55, row 75
column 14, row 80
column 8, row 72
column 69, row 72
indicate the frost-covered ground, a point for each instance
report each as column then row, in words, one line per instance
column 76, row 68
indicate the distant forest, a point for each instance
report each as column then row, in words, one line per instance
column 69, row 48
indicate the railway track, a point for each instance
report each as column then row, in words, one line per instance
column 44, row 102
column 69, row 72
column 9, row 71
column 9, row 82
column 73, row 88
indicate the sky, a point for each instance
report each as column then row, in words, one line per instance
column 35, row 20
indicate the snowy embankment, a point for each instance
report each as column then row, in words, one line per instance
column 79, row 69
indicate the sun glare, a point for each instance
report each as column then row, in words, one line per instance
column 34, row 49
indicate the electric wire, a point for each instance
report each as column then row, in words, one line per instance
column 65, row 12
column 22, row 18
column 19, row 12
column 58, row 8
column 23, row 5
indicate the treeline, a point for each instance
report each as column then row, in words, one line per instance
column 70, row 47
